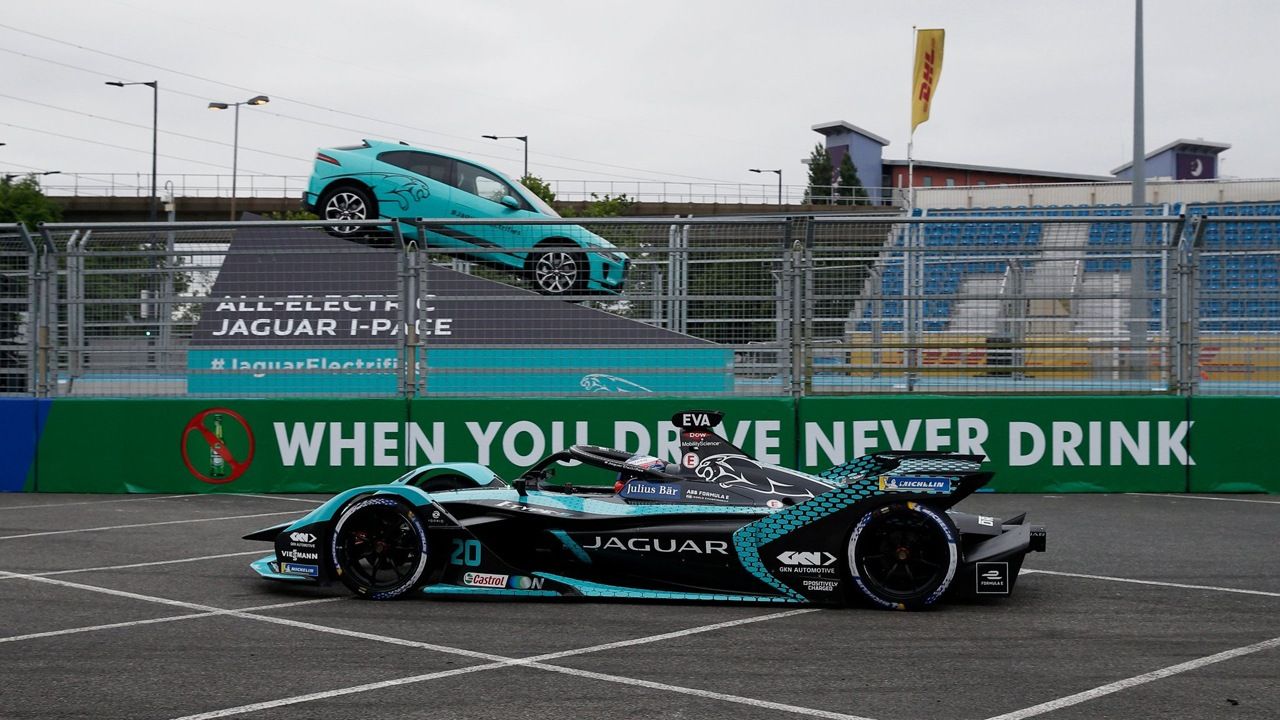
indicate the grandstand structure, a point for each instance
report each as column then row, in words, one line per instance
column 1082, row 292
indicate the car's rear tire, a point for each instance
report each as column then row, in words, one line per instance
column 379, row 548
column 903, row 556
column 347, row 202
column 557, row 269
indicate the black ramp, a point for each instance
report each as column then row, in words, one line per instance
column 306, row 288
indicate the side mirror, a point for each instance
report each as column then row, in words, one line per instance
column 510, row 202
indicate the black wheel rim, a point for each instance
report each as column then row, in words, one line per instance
column 902, row 555
column 380, row 548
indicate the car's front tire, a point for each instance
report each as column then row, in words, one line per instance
column 347, row 202
column 379, row 548
column 903, row 556
column 557, row 269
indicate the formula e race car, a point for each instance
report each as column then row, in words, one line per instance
column 717, row 526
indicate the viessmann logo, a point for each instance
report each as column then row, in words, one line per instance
column 217, row 446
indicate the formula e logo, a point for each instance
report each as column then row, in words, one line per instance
column 303, row 538
column 818, row 559
column 992, row 578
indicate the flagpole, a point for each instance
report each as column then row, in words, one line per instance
column 911, row 136
column 911, row 260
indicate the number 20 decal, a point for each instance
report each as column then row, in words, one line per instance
column 465, row 552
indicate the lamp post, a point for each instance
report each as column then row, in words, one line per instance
column 235, row 146
column 779, row 172
column 522, row 138
column 155, row 118
column 11, row 176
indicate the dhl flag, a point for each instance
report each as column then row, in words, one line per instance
column 927, row 72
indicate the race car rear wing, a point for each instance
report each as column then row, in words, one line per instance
column 904, row 462
column 942, row 477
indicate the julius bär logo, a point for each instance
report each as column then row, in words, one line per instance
column 217, row 445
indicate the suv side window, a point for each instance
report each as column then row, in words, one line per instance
column 485, row 184
column 432, row 166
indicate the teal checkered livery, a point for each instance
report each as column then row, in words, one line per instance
column 591, row 589
column 748, row 539
column 854, row 469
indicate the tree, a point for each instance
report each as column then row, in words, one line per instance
column 292, row 215
column 23, row 202
column 849, row 187
column 539, row 187
column 599, row 207
column 820, row 175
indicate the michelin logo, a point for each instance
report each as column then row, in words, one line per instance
column 308, row 570
column 890, row 483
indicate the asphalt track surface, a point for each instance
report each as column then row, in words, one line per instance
column 1144, row 606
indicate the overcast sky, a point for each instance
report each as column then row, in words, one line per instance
column 682, row 90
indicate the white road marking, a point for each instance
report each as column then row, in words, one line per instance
column 153, row 621
column 674, row 634
column 534, row 662
column 138, row 525
column 142, row 564
column 93, row 502
column 1159, row 583
column 1119, row 685
column 498, row 661
column 1202, row 497
column 311, row 697
column 277, row 497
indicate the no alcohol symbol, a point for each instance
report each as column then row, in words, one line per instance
column 208, row 455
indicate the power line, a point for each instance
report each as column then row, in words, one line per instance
column 122, row 147
column 324, row 108
column 145, row 127
column 308, row 121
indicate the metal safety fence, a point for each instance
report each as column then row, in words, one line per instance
column 1039, row 301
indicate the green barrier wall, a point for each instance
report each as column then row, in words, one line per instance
column 1070, row 444
column 330, row 445
column 1035, row 444
column 1234, row 444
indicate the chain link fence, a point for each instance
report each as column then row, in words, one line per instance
column 1050, row 300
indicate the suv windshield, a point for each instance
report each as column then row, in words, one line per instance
column 538, row 203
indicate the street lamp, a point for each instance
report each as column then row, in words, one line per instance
column 9, row 177
column 522, row 138
column 235, row 147
column 155, row 119
column 779, row 172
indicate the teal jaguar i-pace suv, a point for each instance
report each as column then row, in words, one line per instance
column 378, row 179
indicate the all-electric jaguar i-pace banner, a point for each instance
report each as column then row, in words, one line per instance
column 1034, row 444
column 300, row 312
